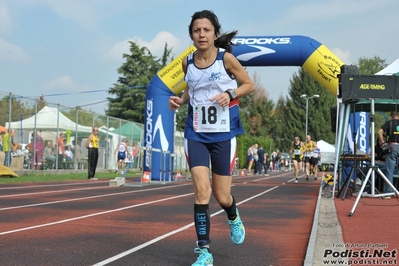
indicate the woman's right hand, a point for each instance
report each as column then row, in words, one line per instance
column 175, row 102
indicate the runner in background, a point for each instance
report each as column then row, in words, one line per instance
column 315, row 162
column 120, row 154
column 131, row 154
column 250, row 158
column 297, row 152
column 310, row 146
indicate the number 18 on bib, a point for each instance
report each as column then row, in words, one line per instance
column 211, row 118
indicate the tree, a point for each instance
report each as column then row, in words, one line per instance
column 85, row 118
column 255, row 114
column 130, row 90
column 279, row 131
column 181, row 116
column 255, row 110
column 319, row 124
column 18, row 109
column 370, row 66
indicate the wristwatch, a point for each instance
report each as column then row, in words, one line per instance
column 232, row 94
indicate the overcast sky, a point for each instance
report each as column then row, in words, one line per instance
column 70, row 50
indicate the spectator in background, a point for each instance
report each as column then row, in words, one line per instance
column 250, row 157
column 49, row 155
column 68, row 154
column 14, row 145
column 68, row 157
column 38, row 146
column 19, row 151
column 278, row 160
column 61, row 150
column 256, row 158
column 1, row 139
column 388, row 135
column 267, row 165
column 262, row 161
column 77, row 151
column 380, row 162
column 92, row 146
column 7, row 148
column 273, row 160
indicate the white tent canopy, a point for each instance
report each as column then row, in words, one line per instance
column 391, row 69
column 46, row 119
column 325, row 146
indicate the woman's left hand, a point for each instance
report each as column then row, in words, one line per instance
column 223, row 99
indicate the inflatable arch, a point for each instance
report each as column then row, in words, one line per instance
column 296, row 50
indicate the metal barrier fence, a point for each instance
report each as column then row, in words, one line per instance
column 26, row 117
column 176, row 162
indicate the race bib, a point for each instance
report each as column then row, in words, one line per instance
column 210, row 118
column 308, row 154
column 297, row 152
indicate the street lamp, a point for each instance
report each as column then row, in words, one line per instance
column 307, row 107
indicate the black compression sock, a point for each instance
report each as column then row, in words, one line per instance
column 202, row 224
column 231, row 211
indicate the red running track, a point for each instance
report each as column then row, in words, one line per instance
column 374, row 225
column 91, row 223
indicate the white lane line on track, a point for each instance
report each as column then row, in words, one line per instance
column 148, row 243
column 47, row 192
column 85, row 198
column 93, row 214
column 260, row 178
column 52, row 185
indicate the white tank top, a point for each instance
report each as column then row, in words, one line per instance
column 122, row 147
column 203, row 84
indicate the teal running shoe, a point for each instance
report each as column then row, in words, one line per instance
column 204, row 259
column 237, row 230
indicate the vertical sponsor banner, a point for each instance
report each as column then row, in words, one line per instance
column 359, row 131
column 158, row 132
column 159, row 119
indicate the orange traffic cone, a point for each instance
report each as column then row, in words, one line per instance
column 146, row 177
column 242, row 173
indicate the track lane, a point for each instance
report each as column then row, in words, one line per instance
column 270, row 219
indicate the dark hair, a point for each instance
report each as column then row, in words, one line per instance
column 223, row 40
column 394, row 113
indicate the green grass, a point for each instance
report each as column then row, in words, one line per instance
column 42, row 176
